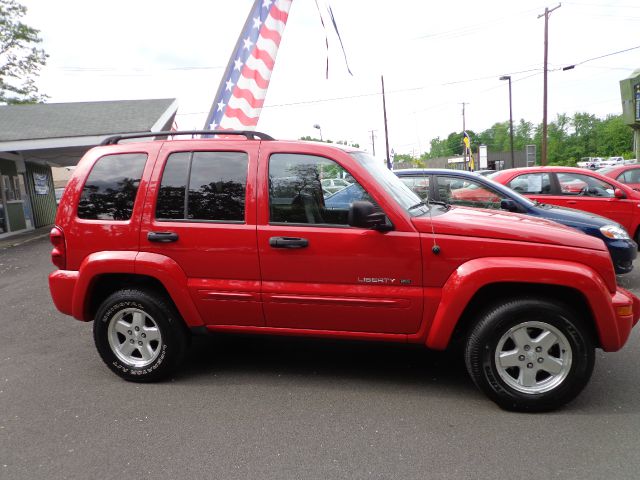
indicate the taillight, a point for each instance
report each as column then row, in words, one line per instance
column 59, row 252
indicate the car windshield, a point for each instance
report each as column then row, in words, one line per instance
column 392, row 184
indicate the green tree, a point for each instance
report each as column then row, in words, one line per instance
column 522, row 135
column 438, row 148
column 496, row 138
column 614, row 137
column 454, row 143
column 557, row 136
column 20, row 57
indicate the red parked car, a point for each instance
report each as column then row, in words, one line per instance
column 159, row 240
column 627, row 174
column 577, row 188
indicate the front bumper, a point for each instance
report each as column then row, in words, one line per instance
column 623, row 253
column 626, row 310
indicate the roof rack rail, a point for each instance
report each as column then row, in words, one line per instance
column 113, row 140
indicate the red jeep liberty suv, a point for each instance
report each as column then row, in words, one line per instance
column 159, row 239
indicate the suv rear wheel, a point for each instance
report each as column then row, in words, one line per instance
column 139, row 335
column 530, row 355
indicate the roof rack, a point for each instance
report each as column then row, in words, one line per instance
column 113, row 140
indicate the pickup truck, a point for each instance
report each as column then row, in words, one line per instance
column 157, row 240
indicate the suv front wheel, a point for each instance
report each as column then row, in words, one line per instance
column 530, row 355
column 139, row 335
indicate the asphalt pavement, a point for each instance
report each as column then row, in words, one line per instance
column 284, row 408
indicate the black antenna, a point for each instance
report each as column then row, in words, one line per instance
column 436, row 248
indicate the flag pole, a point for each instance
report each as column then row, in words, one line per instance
column 230, row 66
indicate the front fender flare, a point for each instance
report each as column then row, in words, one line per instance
column 471, row 276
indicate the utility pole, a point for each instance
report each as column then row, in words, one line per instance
column 373, row 141
column 543, row 154
column 464, row 129
column 386, row 132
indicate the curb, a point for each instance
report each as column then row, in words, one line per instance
column 20, row 241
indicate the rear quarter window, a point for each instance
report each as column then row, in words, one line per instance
column 111, row 188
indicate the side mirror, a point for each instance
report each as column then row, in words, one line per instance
column 619, row 193
column 364, row 214
column 509, row 205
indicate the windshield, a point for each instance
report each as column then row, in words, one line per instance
column 389, row 182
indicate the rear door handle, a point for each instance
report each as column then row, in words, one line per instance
column 162, row 237
column 571, row 202
column 288, row 242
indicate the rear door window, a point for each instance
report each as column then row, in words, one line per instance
column 531, row 184
column 203, row 186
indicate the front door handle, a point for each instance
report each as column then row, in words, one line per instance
column 571, row 202
column 288, row 242
column 162, row 237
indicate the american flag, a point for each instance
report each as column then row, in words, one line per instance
column 243, row 88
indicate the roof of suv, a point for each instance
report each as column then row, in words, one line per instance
column 231, row 134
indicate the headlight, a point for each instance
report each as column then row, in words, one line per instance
column 614, row 231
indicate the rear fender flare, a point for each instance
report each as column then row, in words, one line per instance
column 92, row 267
column 160, row 267
column 168, row 272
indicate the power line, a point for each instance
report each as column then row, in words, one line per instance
column 569, row 67
column 468, row 29
column 490, row 77
column 603, row 5
column 134, row 71
column 609, row 54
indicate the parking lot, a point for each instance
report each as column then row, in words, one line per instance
column 253, row 407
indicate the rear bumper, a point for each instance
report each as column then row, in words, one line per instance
column 62, row 284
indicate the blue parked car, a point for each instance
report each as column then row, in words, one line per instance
column 469, row 189
column 473, row 190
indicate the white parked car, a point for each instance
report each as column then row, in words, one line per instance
column 612, row 162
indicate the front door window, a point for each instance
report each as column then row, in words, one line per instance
column 298, row 192
column 584, row 185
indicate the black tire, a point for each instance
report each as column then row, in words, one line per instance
column 515, row 325
column 146, row 324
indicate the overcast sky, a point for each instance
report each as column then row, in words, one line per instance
column 433, row 55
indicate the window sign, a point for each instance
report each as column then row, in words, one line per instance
column 40, row 183
column 534, row 183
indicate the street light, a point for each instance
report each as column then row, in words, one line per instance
column 320, row 129
column 508, row 77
